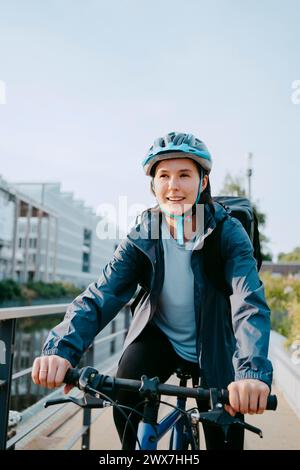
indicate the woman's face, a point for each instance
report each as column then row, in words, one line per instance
column 176, row 184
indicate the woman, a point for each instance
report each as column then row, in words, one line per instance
column 179, row 317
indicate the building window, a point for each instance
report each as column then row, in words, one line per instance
column 86, row 262
column 31, row 259
column 86, row 254
column 32, row 242
column 87, row 237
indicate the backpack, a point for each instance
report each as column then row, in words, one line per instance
column 241, row 209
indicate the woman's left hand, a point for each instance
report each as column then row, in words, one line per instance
column 247, row 396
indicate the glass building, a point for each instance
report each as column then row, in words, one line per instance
column 17, row 259
column 55, row 236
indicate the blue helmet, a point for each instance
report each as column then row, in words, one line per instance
column 177, row 145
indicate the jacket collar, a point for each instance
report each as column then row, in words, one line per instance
column 147, row 231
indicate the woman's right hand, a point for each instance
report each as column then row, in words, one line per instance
column 50, row 371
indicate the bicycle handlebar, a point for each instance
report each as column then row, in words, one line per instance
column 106, row 384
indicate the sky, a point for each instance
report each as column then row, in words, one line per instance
column 86, row 86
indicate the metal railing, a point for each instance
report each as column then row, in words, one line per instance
column 8, row 318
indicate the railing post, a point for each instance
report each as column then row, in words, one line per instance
column 87, row 413
column 7, row 343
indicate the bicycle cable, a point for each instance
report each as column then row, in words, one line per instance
column 134, row 410
column 114, row 403
column 184, row 412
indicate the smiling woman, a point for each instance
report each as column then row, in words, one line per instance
column 180, row 318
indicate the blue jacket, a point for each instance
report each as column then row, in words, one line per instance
column 232, row 337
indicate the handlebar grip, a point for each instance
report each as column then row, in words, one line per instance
column 272, row 402
column 72, row 377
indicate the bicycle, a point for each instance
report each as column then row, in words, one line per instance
column 184, row 424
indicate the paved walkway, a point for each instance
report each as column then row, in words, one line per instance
column 281, row 428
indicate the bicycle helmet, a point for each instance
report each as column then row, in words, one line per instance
column 177, row 145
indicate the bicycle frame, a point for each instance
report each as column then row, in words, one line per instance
column 150, row 434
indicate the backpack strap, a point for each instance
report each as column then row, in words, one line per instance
column 213, row 261
column 256, row 243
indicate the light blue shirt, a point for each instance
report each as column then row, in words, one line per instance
column 175, row 315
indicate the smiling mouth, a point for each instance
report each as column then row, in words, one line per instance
column 175, row 199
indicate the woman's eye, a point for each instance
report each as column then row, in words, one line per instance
column 185, row 175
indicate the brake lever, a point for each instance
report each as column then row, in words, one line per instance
column 249, row 427
column 219, row 416
column 222, row 419
column 87, row 401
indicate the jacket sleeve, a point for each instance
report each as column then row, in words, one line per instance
column 92, row 310
column 249, row 309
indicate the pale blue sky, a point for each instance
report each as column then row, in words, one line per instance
column 90, row 84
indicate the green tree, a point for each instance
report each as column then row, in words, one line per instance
column 234, row 186
column 292, row 256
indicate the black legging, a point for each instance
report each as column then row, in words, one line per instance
column 152, row 354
